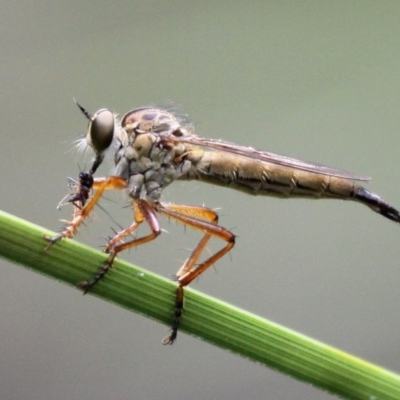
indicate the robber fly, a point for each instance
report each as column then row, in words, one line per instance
column 154, row 147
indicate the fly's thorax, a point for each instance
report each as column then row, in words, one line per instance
column 146, row 132
column 148, row 156
column 156, row 120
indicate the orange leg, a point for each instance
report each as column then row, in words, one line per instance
column 143, row 211
column 205, row 220
column 101, row 184
column 200, row 218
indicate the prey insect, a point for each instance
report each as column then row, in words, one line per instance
column 153, row 147
column 80, row 190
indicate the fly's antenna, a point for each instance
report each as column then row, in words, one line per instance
column 84, row 111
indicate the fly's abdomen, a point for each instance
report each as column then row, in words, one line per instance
column 261, row 178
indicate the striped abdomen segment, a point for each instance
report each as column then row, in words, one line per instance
column 260, row 178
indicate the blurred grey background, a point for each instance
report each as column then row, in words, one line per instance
column 314, row 80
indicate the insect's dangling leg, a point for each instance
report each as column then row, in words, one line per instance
column 81, row 195
column 86, row 181
column 101, row 184
column 205, row 220
column 81, row 192
column 143, row 211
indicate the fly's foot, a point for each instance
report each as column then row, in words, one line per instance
column 177, row 317
column 174, row 328
column 86, row 286
column 52, row 240
column 68, row 232
column 170, row 338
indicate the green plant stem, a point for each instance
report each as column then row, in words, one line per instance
column 212, row 320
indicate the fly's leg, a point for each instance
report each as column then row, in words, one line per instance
column 143, row 211
column 101, row 184
column 205, row 220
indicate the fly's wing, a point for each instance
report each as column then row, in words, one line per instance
column 218, row 144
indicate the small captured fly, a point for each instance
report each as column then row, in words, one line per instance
column 154, row 147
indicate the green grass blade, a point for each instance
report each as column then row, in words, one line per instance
column 212, row 320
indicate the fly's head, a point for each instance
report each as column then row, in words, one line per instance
column 100, row 134
column 138, row 133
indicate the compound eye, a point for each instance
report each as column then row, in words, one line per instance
column 101, row 130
